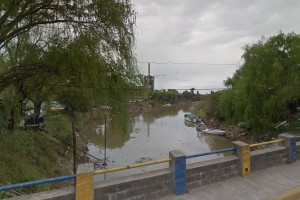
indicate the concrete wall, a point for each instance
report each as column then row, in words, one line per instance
column 145, row 186
column 149, row 185
column 264, row 158
column 212, row 171
column 298, row 150
column 153, row 185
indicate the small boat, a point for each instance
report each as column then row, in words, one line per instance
column 213, row 131
column 191, row 118
column 57, row 107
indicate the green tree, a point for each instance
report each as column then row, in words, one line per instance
column 163, row 96
column 56, row 47
column 265, row 84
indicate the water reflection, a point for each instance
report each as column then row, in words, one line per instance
column 148, row 136
column 118, row 131
column 214, row 142
column 190, row 124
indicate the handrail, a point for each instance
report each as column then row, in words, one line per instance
column 39, row 182
column 263, row 143
column 212, row 152
column 114, row 169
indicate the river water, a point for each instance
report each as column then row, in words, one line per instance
column 149, row 136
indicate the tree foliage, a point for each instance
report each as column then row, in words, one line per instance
column 79, row 50
column 262, row 88
column 169, row 96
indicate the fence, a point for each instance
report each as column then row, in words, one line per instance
column 177, row 160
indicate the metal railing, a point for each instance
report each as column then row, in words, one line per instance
column 34, row 183
column 212, row 152
column 264, row 143
column 114, row 169
column 104, row 171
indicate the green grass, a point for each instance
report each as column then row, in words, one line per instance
column 27, row 155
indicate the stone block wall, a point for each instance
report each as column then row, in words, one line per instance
column 264, row 158
column 149, row 185
column 298, row 150
column 212, row 171
column 156, row 184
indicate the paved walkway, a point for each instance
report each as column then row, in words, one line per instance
column 277, row 182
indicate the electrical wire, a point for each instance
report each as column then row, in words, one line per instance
column 175, row 79
column 186, row 63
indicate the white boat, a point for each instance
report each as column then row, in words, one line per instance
column 213, row 131
column 191, row 118
column 56, row 107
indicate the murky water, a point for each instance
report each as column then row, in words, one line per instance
column 149, row 136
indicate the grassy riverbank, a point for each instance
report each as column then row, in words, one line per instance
column 27, row 155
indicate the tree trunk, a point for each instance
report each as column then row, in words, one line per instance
column 37, row 108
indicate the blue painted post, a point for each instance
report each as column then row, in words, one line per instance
column 178, row 166
column 289, row 141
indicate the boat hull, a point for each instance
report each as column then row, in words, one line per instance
column 213, row 131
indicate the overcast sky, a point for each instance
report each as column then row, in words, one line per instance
column 206, row 32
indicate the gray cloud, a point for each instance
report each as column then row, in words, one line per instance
column 205, row 31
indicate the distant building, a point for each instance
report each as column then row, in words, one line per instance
column 149, row 80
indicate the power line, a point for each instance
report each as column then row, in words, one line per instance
column 188, row 80
column 163, row 89
column 206, row 89
column 186, row 63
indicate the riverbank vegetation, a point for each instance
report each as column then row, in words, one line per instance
column 173, row 96
column 31, row 154
column 74, row 53
column 263, row 91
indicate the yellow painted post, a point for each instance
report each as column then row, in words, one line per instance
column 85, row 182
column 243, row 152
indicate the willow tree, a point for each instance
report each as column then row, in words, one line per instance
column 67, row 48
column 263, row 87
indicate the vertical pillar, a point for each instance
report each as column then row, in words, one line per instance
column 289, row 141
column 178, row 166
column 243, row 152
column 85, row 182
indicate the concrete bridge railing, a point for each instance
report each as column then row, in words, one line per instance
column 178, row 178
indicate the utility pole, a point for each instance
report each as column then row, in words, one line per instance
column 149, row 86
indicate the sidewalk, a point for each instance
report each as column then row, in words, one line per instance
column 277, row 182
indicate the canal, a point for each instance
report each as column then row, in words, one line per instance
column 148, row 136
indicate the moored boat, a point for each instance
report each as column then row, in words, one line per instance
column 191, row 118
column 57, row 107
column 213, row 131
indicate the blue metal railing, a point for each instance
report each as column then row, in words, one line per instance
column 34, row 183
column 212, row 152
column 64, row 178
